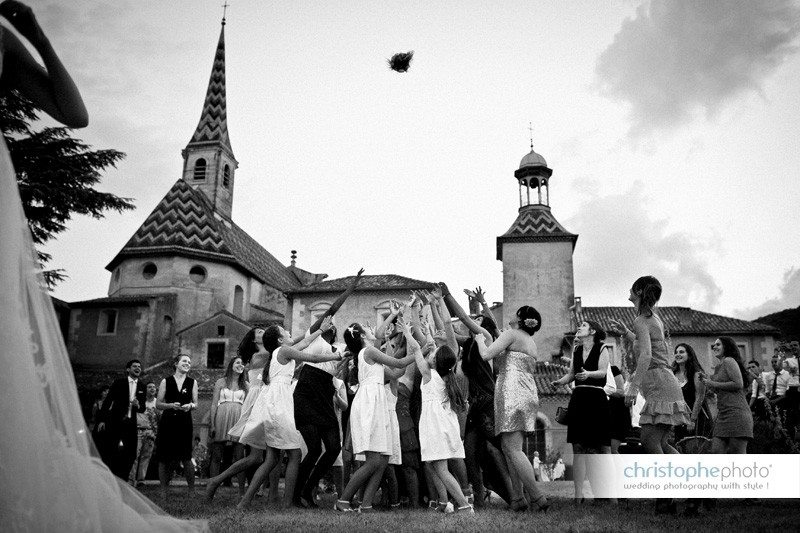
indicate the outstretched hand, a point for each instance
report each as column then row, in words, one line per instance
column 617, row 327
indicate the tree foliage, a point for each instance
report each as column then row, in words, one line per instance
column 56, row 173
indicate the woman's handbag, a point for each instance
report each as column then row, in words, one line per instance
column 562, row 416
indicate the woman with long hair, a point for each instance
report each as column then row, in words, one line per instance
column 687, row 370
column 516, row 400
column 486, row 465
column 230, row 392
column 734, row 424
column 177, row 397
column 278, row 416
column 439, row 432
column 589, row 414
column 369, row 425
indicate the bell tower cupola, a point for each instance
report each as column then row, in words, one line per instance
column 208, row 161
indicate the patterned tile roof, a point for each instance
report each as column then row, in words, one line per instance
column 213, row 124
column 184, row 223
column 379, row 282
column 545, row 373
column 681, row 321
column 533, row 224
column 133, row 299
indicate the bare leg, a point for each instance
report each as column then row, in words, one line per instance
column 188, row 472
column 615, row 445
column 292, row 468
column 450, row 482
column 512, row 448
column 360, row 477
column 578, row 470
column 238, row 455
column 239, row 467
column 258, row 478
column 441, row 488
column 274, row 479
column 375, row 480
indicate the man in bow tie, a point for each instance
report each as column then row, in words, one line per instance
column 117, row 419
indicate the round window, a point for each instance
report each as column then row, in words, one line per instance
column 197, row 274
column 149, row 271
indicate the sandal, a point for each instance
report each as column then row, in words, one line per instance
column 519, row 505
column 338, row 506
column 469, row 509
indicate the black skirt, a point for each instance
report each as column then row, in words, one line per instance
column 589, row 423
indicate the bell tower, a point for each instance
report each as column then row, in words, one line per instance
column 208, row 161
column 536, row 252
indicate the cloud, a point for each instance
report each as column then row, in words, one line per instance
column 675, row 58
column 619, row 242
column 789, row 298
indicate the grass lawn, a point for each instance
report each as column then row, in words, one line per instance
column 564, row 515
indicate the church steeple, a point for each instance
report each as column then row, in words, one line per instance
column 208, row 161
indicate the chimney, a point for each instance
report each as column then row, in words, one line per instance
column 685, row 318
column 294, row 257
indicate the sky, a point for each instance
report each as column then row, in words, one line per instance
column 671, row 128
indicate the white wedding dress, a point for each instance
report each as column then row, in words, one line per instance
column 51, row 479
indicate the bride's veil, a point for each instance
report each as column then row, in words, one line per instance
column 51, row 479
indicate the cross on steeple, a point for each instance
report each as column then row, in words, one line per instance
column 224, row 10
column 530, row 129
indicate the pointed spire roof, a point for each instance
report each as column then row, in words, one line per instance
column 213, row 125
column 535, row 223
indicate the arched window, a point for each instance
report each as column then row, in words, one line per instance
column 200, row 169
column 238, row 301
column 226, row 176
column 166, row 331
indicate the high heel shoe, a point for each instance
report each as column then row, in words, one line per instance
column 542, row 505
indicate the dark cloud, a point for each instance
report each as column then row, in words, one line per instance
column 677, row 58
column 620, row 241
column 789, row 298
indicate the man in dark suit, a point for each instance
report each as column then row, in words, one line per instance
column 117, row 419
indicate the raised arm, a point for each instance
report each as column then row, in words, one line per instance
column 338, row 302
column 308, row 339
column 456, row 310
column 567, row 378
column 497, row 347
column 447, row 323
column 51, row 88
column 394, row 310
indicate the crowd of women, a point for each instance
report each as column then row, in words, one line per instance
column 438, row 414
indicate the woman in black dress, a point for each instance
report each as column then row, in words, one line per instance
column 589, row 418
column 177, row 397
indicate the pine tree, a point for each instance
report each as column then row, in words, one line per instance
column 56, row 174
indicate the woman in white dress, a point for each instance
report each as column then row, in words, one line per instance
column 51, row 478
column 369, row 421
column 278, row 416
column 439, row 432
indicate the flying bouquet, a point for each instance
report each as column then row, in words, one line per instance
column 401, row 61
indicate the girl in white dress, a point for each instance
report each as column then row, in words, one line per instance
column 278, row 416
column 439, row 433
column 369, row 423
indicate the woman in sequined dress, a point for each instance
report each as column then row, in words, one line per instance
column 515, row 399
